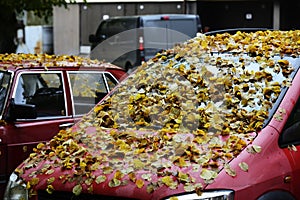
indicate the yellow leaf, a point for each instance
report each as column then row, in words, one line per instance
column 50, row 180
column 132, row 177
column 139, row 183
column 182, row 162
column 50, row 189
column 118, row 174
column 283, row 62
column 95, row 166
column 40, row 145
column 34, row 181
column 107, row 170
column 138, row 164
column 167, row 180
column 183, row 177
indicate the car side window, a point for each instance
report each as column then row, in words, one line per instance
column 44, row 90
column 88, row 88
column 110, row 80
column 291, row 132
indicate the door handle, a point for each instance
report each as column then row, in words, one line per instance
column 66, row 125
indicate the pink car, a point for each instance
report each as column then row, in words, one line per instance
column 216, row 117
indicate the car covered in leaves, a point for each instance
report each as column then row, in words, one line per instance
column 216, row 117
column 41, row 94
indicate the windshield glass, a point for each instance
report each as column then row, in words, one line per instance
column 4, row 83
column 198, row 92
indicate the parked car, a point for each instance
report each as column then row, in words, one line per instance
column 42, row 94
column 214, row 118
column 234, row 30
column 135, row 39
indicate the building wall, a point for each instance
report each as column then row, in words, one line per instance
column 66, row 31
column 289, row 15
column 236, row 14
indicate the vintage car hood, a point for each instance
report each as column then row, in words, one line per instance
column 173, row 124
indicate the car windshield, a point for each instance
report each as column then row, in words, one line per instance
column 4, row 83
column 224, row 97
column 192, row 92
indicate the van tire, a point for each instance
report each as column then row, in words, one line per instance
column 277, row 195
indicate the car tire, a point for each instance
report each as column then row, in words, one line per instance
column 277, row 195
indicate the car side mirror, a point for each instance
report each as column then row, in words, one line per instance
column 22, row 111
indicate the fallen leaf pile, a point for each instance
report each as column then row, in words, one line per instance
column 180, row 118
column 84, row 86
column 46, row 60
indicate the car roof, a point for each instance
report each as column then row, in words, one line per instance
column 14, row 62
column 154, row 16
column 234, row 30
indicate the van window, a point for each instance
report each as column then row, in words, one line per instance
column 88, row 88
column 114, row 26
column 44, row 90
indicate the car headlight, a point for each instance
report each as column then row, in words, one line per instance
column 208, row 195
column 15, row 189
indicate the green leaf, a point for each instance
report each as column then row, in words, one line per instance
column 208, row 174
column 229, row 170
column 244, row 166
column 254, row 149
column 100, row 179
column 77, row 190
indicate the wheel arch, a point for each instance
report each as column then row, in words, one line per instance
column 277, row 195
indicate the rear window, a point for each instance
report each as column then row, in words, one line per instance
column 114, row 26
column 187, row 26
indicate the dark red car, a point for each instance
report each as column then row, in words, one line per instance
column 214, row 118
column 42, row 94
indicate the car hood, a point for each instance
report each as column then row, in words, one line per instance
column 139, row 164
column 172, row 125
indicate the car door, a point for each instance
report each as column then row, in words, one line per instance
column 289, row 141
column 46, row 91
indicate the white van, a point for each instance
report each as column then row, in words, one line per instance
column 127, row 41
